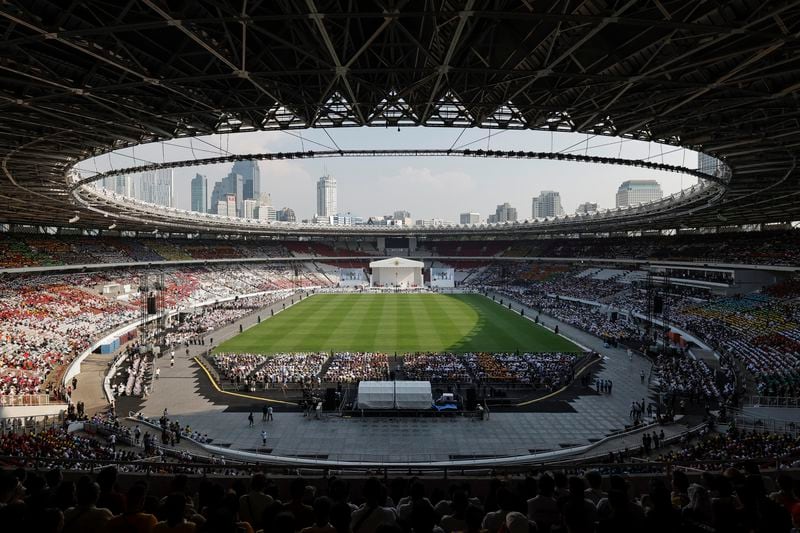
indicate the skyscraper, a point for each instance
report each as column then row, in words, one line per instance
column 547, row 205
column 632, row 192
column 200, row 193
column 326, row 196
column 586, row 208
column 233, row 184
column 251, row 176
column 504, row 213
column 156, row 187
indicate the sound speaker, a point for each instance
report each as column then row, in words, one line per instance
column 329, row 404
column 658, row 305
column 151, row 305
column 614, row 316
column 472, row 399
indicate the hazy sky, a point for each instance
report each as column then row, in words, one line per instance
column 440, row 187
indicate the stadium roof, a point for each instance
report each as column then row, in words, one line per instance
column 83, row 78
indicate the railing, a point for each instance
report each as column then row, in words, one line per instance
column 19, row 400
column 774, row 401
column 764, row 425
column 210, row 466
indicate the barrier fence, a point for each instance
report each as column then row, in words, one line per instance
column 774, row 401
column 21, row 400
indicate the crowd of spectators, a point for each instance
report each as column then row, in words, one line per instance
column 44, row 323
column 546, row 369
column 47, row 320
column 685, row 376
column 259, row 371
column 737, row 501
column 352, row 367
column 215, row 316
column 737, row 445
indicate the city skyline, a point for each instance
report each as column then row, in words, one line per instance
column 427, row 187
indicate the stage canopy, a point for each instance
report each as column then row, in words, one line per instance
column 395, row 395
column 396, row 272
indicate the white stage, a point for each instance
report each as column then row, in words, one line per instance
column 396, row 272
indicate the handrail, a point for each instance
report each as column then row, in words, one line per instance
column 774, row 401
column 20, row 400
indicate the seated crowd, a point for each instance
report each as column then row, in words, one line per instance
column 685, row 376
column 352, row 367
column 259, row 370
column 47, row 320
column 549, row 501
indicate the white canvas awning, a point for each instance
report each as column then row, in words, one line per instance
column 395, row 395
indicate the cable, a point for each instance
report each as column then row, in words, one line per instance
column 570, row 147
column 479, row 140
column 309, row 140
column 331, row 138
column 457, row 138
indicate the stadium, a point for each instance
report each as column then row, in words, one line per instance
column 626, row 369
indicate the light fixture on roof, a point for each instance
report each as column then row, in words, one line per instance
column 74, row 219
column 112, row 226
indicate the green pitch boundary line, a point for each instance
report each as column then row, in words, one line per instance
column 237, row 394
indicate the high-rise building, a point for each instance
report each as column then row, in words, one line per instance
column 633, row 192
column 586, row 208
column 200, row 193
column 233, row 184
column 251, row 178
column 326, row 197
column 250, row 208
column 120, row 184
column 470, row 218
column 155, row 187
column 547, row 205
column 504, row 213
column 286, row 215
column 222, row 208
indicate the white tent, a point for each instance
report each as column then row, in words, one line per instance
column 396, row 272
column 413, row 395
column 376, row 395
column 394, row 394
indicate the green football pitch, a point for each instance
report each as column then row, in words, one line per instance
column 396, row 323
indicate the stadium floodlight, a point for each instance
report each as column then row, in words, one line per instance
column 74, row 219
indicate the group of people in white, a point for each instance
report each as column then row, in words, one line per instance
column 279, row 369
